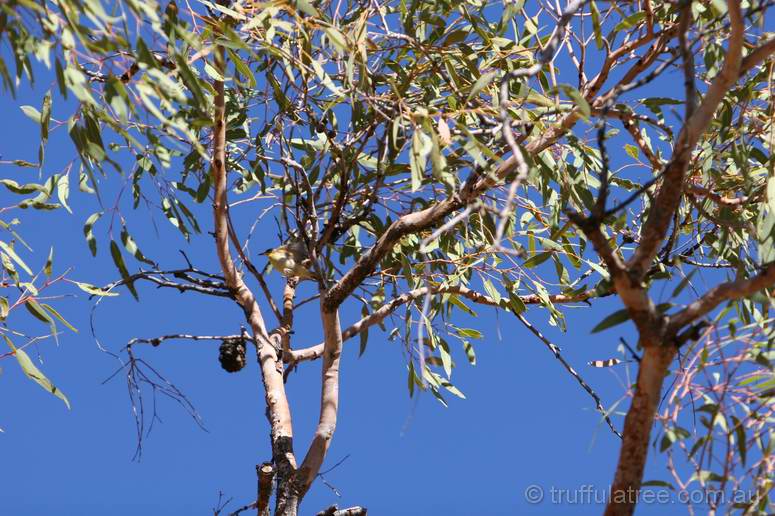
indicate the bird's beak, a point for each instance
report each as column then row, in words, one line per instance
column 266, row 252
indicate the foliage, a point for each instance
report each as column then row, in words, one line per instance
column 430, row 155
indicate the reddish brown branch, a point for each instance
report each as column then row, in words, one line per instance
column 759, row 55
column 668, row 198
column 637, row 429
column 659, row 345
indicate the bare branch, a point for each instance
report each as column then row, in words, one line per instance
column 558, row 355
column 156, row 341
column 195, row 284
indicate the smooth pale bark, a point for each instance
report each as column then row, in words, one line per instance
column 329, row 401
column 269, row 358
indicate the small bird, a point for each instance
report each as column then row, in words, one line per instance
column 291, row 260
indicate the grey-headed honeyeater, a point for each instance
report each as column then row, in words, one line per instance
column 291, row 259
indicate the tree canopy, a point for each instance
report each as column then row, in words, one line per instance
column 428, row 157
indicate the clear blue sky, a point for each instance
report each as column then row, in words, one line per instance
column 525, row 420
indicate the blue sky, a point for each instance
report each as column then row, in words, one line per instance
column 525, row 420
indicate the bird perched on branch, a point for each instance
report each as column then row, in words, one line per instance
column 291, row 260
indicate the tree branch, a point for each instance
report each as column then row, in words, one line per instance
column 669, row 195
column 203, row 286
column 156, row 341
column 584, row 385
column 265, row 476
column 634, row 297
column 379, row 315
column 278, row 411
column 726, row 291
column 764, row 51
column 329, row 402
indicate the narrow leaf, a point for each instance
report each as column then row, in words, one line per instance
column 32, row 372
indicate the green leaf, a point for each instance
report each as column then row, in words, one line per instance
column 658, row 483
column 25, row 189
column 581, row 103
column 481, row 83
column 131, row 247
column 49, row 263
column 336, row 38
column 470, row 333
column 63, row 190
column 682, row 284
column 455, row 300
column 492, row 291
column 88, row 231
column 118, row 260
column 8, row 250
column 596, row 25
column 470, row 353
column 95, row 291
column 32, row 372
column 364, row 333
column 33, row 113
column 615, row 318
column 771, row 194
column 306, row 7
column 453, row 390
column 56, row 314
column 632, row 151
column 243, row 68
column 742, row 446
column 36, row 310
column 45, row 118
column 537, row 259
column 517, row 305
column 446, row 358
column 630, row 21
column 421, row 147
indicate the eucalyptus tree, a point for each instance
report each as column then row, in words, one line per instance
column 428, row 157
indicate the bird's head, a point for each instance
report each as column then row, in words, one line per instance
column 277, row 254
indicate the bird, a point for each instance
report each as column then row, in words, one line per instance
column 291, row 259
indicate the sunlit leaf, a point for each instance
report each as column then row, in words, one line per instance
column 32, row 372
